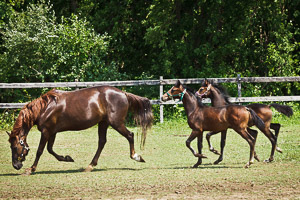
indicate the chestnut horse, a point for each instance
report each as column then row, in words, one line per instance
column 58, row 111
column 203, row 118
column 219, row 98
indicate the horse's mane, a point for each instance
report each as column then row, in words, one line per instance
column 29, row 113
column 223, row 92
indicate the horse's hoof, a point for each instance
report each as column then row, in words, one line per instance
column 69, row 159
column 89, row 169
column 278, row 149
column 27, row 172
column 200, row 155
column 138, row 158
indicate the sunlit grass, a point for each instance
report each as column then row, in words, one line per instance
column 167, row 170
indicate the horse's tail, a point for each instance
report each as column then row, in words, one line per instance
column 142, row 112
column 286, row 110
column 256, row 120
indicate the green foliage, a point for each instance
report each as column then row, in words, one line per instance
column 39, row 49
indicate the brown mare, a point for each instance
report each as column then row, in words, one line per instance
column 203, row 118
column 58, row 111
column 219, row 98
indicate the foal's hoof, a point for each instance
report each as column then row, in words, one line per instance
column 196, row 165
column 215, row 151
column 268, row 160
column 217, row 162
column 256, row 158
column 200, row 155
column 69, row 159
column 278, row 149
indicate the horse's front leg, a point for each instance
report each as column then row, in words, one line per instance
column 50, row 150
column 43, row 141
column 102, row 132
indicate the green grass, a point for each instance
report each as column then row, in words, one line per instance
column 166, row 174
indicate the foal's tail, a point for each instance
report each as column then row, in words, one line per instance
column 286, row 110
column 142, row 112
column 256, row 120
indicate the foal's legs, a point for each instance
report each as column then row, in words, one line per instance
column 199, row 135
column 211, row 148
column 251, row 142
column 276, row 128
column 130, row 137
column 273, row 141
column 223, row 141
column 199, row 155
column 102, row 132
column 253, row 134
column 50, row 150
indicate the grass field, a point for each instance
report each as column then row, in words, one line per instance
column 167, row 173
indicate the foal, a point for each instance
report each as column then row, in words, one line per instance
column 203, row 118
column 218, row 98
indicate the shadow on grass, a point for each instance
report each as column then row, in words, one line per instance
column 81, row 170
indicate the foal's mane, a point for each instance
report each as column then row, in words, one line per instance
column 31, row 111
column 223, row 92
column 192, row 92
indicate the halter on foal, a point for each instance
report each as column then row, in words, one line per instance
column 203, row 118
column 58, row 111
column 218, row 98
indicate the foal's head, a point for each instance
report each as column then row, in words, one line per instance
column 205, row 90
column 176, row 92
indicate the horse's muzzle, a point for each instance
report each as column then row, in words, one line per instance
column 17, row 165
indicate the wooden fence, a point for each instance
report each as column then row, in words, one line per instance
column 162, row 82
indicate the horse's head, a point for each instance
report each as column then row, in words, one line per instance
column 19, row 149
column 205, row 90
column 176, row 92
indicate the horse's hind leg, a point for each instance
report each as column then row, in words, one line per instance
column 276, row 128
column 211, row 148
column 50, row 150
column 130, row 137
column 102, row 132
column 223, row 141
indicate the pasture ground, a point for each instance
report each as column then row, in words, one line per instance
column 167, row 173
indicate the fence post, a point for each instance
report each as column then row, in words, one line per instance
column 239, row 84
column 161, row 106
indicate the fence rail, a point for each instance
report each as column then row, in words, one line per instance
column 162, row 82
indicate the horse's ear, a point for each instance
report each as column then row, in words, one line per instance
column 178, row 83
column 8, row 133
